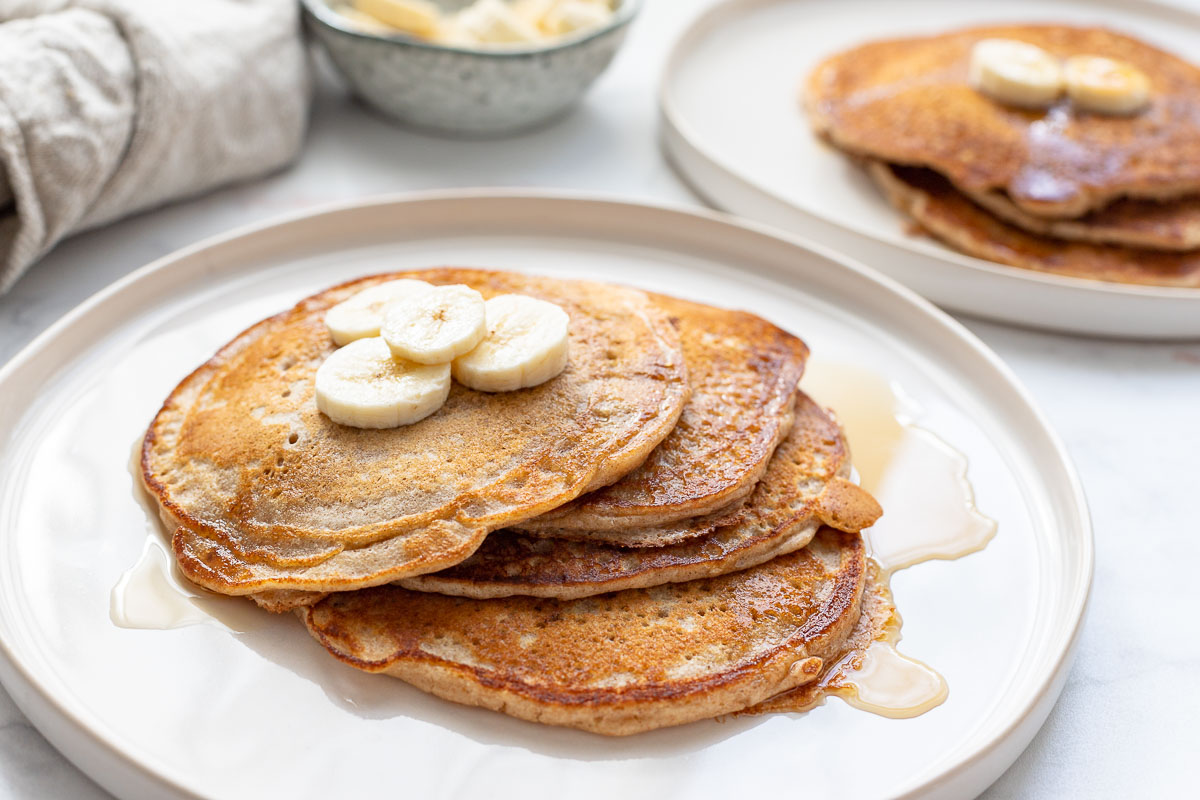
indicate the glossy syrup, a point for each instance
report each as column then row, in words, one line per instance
column 153, row 595
column 929, row 513
column 921, row 482
column 872, row 676
column 888, row 683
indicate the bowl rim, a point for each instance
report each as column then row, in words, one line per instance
column 323, row 13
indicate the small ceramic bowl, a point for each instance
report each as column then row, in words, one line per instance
column 463, row 91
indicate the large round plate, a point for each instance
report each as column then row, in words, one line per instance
column 208, row 711
column 733, row 126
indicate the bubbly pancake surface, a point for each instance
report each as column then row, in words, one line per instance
column 617, row 663
column 908, row 101
column 268, row 493
column 803, row 486
column 947, row 214
column 743, row 372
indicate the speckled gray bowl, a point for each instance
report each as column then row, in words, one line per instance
column 461, row 91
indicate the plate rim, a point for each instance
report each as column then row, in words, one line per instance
column 94, row 752
column 673, row 119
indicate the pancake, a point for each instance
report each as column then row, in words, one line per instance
column 804, row 486
column 653, row 537
column 618, row 663
column 1147, row 224
column 743, row 372
column 908, row 101
column 265, row 492
column 948, row 215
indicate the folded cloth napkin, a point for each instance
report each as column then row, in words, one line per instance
column 112, row 106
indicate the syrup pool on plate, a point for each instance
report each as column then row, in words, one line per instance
column 889, row 683
column 929, row 513
column 928, row 505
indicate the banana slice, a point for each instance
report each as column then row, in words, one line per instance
column 572, row 16
column 363, row 22
column 526, row 345
column 437, row 326
column 494, row 22
column 451, row 32
column 1105, row 85
column 362, row 315
column 363, row 386
column 418, row 17
column 1015, row 73
column 532, row 11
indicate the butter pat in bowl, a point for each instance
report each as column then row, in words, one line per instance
column 474, row 68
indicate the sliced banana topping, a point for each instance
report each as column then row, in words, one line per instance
column 362, row 315
column 1015, row 73
column 533, row 11
column 526, row 344
column 364, row 386
column 571, row 16
column 484, row 23
column 495, row 22
column 418, row 17
column 437, row 326
column 404, row 340
column 451, row 32
column 362, row 21
column 1105, row 85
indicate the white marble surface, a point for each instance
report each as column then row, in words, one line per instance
column 1127, row 721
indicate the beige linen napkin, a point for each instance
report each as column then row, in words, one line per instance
column 112, row 106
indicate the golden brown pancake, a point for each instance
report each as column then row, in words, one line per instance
column 908, row 101
column 948, row 215
column 743, row 372
column 617, row 663
column 1146, row 224
column 804, row 486
column 268, row 493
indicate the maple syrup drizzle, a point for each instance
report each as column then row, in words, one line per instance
column 889, row 683
column 929, row 513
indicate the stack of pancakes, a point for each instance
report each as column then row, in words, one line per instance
column 665, row 532
column 1114, row 198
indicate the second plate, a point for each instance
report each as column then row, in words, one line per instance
column 733, row 126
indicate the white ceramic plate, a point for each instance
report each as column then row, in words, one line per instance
column 733, row 126
column 203, row 710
